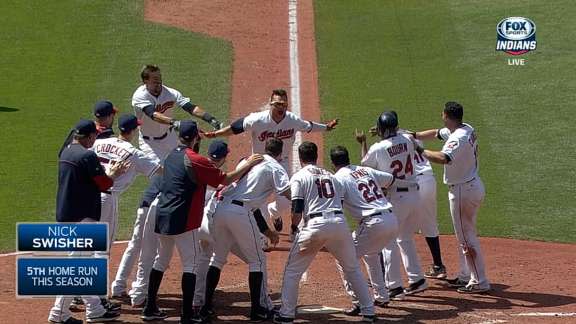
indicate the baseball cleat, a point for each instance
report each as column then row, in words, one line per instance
column 110, row 305
column 70, row 320
column 457, row 283
column 153, row 315
column 416, row 287
column 369, row 318
column 281, row 319
column 381, row 304
column 396, row 293
column 106, row 317
column 436, row 272
column 353, row 311
column 472, row 289
column 278, row 224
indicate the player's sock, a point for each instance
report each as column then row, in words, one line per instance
column 153, row 286
column 255, row 284
column 188, row 286
column 212, row 278
column 434, row 245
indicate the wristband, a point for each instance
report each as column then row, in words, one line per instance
column 294, row 228
column 207, row 117
column 419, row 149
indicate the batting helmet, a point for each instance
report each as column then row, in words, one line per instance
column 387, row 124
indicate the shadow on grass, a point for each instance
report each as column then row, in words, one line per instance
column 8, row 109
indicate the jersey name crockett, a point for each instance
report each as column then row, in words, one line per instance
column 164, row 103
column 114, row 149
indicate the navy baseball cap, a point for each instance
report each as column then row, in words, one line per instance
column 218, row 149
column 85, row 127
column 104, row 108
column 188, row 129
column 128, row 122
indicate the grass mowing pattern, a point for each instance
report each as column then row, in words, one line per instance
column 58, row 59
column 414, row 56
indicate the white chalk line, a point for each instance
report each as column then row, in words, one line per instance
column 545, row 314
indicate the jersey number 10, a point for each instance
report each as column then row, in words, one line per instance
column 325, row 188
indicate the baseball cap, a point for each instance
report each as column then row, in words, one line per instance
column 104, row 108
column 128, row 122
column 188, row 129
column 85, row 127
column 218, row 149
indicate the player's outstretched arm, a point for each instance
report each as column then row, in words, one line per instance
column 426, row 135
column 197, row 111
column 224, row 132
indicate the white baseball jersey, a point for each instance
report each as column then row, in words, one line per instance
column 421, row 164
column 263, row 127
column 362, row 193
column 115, row 150
column 254, row 187
column 319, row 188
column 393, row 155
column 164, row 103
column 462, row 148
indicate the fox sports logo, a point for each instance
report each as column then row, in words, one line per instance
column 516, row 35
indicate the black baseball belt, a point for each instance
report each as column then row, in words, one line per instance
column 156, row 138
column 313, row 215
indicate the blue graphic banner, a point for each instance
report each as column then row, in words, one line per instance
column 62, row 276
column 58, row 237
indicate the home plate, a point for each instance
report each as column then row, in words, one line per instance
column 318, row 309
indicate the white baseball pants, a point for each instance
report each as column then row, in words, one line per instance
column 188, row 248
column 404, row 207
column 131, row 254
column 370, row 237
column 427, row 211
column 60, row 311
column 159, row 148
column 146, row 259
column 465, row 199
column 330, row 231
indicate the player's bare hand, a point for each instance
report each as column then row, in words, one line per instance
column 360, row 136
column 373, row 131
column 272, row 236
column 208, row 134
column 118, row 168
column 331, row 124
column 254, row 159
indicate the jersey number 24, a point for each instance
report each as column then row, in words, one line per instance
column 401, row 170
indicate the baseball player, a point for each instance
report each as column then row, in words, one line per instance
column 394, row 154
column 153, row 103
column 377, row 225
column 235, row 225
column 427, row 214
column 316, row 204
column 217, row 152
column 113, row 150
column 459, row 155
column 104, row 112
column 276, row 122
column 81, row 179
column 179, row 214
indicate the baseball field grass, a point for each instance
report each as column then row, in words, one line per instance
column 58, row 59
column 413, row 56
